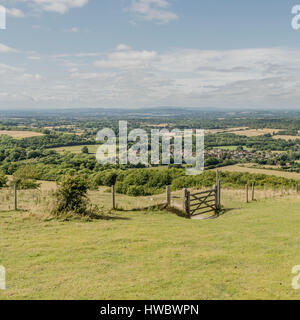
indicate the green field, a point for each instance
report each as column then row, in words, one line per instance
column 246, row 168
column 247, row 253
column 77, row 149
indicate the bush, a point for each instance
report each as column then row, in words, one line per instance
column 85, row 150
column 3, row 180
column 72, row 196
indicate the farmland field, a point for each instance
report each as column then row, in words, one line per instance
column 286, row 137
column 20, row 134
column 254, row 132
column 77, row 149
column 240, row 168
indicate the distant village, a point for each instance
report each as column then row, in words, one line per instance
column 241, row 154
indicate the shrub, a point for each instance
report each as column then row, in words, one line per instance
column 3, row 180
column 85, row 150
column 72, row 196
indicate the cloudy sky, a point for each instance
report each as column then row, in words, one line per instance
column 149, row 53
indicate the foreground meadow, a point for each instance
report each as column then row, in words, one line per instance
column 247, row 253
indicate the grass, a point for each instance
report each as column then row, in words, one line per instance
column 247, row 253
column 240, row 168
column 20, row 134
column 77, row 149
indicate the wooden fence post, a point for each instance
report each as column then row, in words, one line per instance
column 113, row 196
column 265, row 191
column 219, row 194
column 215, row 188
column 186, row 201
column 282, row 189
column 296, row 188
column 246, row 188
column 16, row 196
column 253, row 192
column 168, row 195
column 274, row 191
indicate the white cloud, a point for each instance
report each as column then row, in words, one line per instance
column 153, row 10
column 126, row 77
column 123, row 47
column 127, row 58
column 90, row 75
column 6, row 49
column 14, row 12
column 60, row 6
column 72, row 30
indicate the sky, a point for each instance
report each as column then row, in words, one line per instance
column 149, row 53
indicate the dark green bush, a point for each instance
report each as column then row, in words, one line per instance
column 72, row 196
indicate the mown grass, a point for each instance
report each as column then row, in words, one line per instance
column 247, row 253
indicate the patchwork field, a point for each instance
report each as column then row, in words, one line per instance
column 20, row 134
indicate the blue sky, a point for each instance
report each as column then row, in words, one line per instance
column 149, row 53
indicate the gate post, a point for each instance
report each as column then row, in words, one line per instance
column 16, row 196
column 113, row 197
column 216, row 191
column 219, row 194
column 168, row 195
column 186, row 202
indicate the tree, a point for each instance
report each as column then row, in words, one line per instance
column 3, row 179
column 85, row 150
column 25, row 178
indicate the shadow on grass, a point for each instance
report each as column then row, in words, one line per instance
column 226, row 210
column 178, row 211
column 218, row 214
column 106, row 217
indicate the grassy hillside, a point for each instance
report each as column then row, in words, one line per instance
column 246, row 253
column 277, row 173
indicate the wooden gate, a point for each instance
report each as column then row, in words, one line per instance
column 202, row 202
